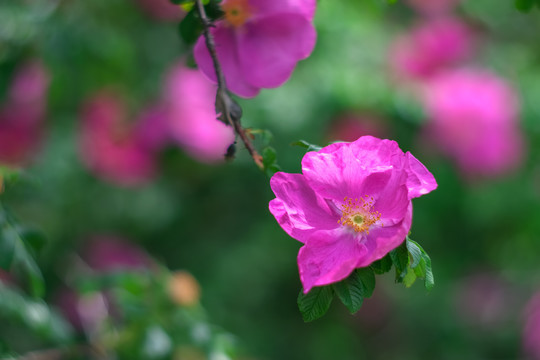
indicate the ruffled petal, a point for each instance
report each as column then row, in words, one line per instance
column 270, row 47
column 226, row 47
column 419, row 181
column 339, row 174
column 328, row 257
column 297, row 208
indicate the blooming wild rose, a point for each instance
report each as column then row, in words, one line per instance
column 474, row 117
column 259, row 43
column 350, row 206
column 113, row 148
column 431, row 47
column 22, row 114
column 190, row 101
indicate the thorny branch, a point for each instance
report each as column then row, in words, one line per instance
column 229, row 109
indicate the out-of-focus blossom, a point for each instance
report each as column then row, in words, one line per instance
column 430, row 48
column 109, row 253
column 484, row 300
column 259, row 43
column 433, row 7
column 184, row 288
column 115, row 149
column 531, row 331
column 102, row 254
column 350, row 206
column 350, row 126
column 474, row 118
column 190, row 100
column 162, row 10
column 22, row 114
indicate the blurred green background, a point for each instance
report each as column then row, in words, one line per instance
column 213, row 220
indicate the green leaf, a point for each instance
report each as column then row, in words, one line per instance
column 34, row 315
column 367, row 277
column 270, row 161
column 7, row 246
column 191, row 27
column 421, row 263
column 400, row 259
column 382, row 266
column 409, row 278
column 306, row 145
column 24, row 262
column 316, row 303
column 524, row 5
column 352, row 291
column 17, row 253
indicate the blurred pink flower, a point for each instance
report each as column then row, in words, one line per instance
column 114, row 149
column 190, row 100
column 474, row 119
column 531, row 331
column 162, row 10
column 483, row 299
column 350, row 206
column 350, row 126
column 259, row 43
column 22, row 114
column 111, row 253
column 430, row 47
column 433, row 7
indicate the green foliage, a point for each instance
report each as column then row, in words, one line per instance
column 191, row 27
column 18, row 247
column 306, row 145
column 526, row 5
column 412, row 262
column 382, row 266
column 34, row 315
column 270, row 161
column 315, row 303
column 352, row 291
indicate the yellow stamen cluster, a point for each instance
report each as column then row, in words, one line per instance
column 357, row 214
column 236, row 12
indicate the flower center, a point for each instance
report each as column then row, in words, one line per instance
column 237, row 12
column 357, row 214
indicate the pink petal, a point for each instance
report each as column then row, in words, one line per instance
column 393, row 201
column 298, row 209
column 226, row 47
column 344, row 173
column 328, row 257
column 193, row 123
column 385, row 239
column 420, row 181
column 270, row 47
column 265, row 7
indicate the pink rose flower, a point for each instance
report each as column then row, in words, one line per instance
column 433, row 7
column 350, row 206
column 259, row 43
column 22, row 114
column 531, row 331
column 113, row 148
column 474, row 119
column 110, row 253
column 431, row 47
column 190, row 100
